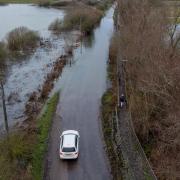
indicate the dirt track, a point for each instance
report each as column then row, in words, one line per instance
column 82, row 86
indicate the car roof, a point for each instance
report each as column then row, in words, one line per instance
column 70, row 132
column 69, row 140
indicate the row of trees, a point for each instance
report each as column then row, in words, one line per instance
column 149, row 41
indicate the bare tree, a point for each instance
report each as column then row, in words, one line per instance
column 152, row 78
column 174, row 34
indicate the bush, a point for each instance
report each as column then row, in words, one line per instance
column 86, row 16
column 22, row 39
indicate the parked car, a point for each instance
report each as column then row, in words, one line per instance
column 69, row 145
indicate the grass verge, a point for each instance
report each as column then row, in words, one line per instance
column 22, row 153
column 44, row 124
column 108, row 104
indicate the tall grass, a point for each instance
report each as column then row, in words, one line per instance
column 15, row 156
column 81, row 18
column 56, row 26
column 84, row 18
column 22, row 153
column 22, row 38
column 3, row 51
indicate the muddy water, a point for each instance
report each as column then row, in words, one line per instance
column 82, row 86
column 27, row 74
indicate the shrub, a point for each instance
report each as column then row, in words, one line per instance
column 22, row 38
column 87, row 17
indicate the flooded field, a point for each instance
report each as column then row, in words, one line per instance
column 33, row 17
column 27, row 74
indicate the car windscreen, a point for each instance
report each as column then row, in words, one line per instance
column 68, row 149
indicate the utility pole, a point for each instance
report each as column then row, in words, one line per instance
column 4, row 109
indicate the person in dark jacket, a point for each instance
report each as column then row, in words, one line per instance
column 122, row 100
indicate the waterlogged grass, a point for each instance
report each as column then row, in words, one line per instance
column 3, row 51
column 44, row 124
column 22, row 153
column 22, row 38
column 54, row 3
column 84, row 18
column 44, row 3
column 81, row 18
column 56, row 26
column 2, row 2
column 104, row 5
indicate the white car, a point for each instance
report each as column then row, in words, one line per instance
column 69, row 145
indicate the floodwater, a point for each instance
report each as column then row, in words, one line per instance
column 26, row 75
column 81, row 88
column 33, row 17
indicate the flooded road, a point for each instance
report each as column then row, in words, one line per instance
column 82, row 86
column 26, row 74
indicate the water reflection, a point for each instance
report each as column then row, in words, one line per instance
column 89, row 41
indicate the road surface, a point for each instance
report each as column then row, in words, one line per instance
column 82, row 86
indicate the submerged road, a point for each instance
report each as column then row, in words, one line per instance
column 82, row 86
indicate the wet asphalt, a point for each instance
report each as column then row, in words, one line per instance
column 82, row 85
